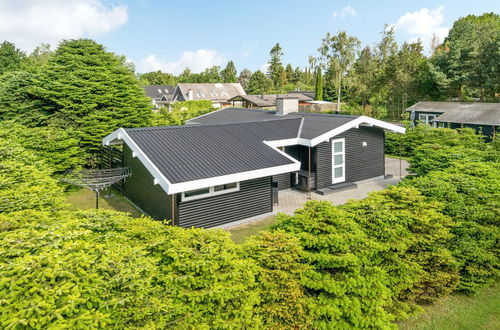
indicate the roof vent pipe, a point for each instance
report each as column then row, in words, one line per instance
column 286, row 105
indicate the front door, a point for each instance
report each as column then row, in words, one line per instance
column 338, row 160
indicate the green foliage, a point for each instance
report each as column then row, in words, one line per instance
column 470, row 57
column 419, row 135
column 91, row 90
column 275, row 69
column 244, row 78
column 25, row 181
column 209, row 75
column 283, row 301
column 57, row 147
column 157, row 78
column 435, row 157
column 182, row 111
column 228, row 74
column 470, row 193
column 258, row 84
column 208, row 279
column 10, row 57
column 345, row 288
column 413, row 236
column 15, row 101
column 319, row 85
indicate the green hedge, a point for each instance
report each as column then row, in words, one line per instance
column 181, row 111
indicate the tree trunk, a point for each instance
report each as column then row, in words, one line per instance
column 338, row 94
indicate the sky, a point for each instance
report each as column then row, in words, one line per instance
column 172, row 35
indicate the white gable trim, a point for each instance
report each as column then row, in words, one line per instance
column 355, row 123
column 173, row 188
column 121, row 134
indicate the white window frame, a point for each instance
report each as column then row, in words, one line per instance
column 342, row 178
column 426, row 118
column 211, row 192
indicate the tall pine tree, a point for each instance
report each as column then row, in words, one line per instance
column 86, row 88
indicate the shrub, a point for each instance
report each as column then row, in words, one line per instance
column 413, row 235
column 283, row 300
column 104, row 269
column 435, row 157
column 25, row 181
column 470, row 193
column 207, row 278
column 405, row 144
column 181, row 112
column 345, row 288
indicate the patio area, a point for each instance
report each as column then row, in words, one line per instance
column 290, row 200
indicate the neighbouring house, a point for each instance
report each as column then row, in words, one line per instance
column 160, row 95
column 481, row 116
column 218, row 93
column 228, row 165
column 267, row 101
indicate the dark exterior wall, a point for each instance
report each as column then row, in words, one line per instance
column 417, row 113
column 361, row 163
column 284, row 181
column 253, row 198
column 142, row 191
column 486, row 130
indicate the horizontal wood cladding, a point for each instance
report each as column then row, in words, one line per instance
column 253, row 198
column 141, row 190
column 361, row 163
column 284, row 181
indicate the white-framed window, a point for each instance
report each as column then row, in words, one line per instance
column 338, row 160
column 426, row 118
column 210, row 191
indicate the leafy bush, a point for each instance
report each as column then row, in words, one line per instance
column 405, row 144
column 470, row 193
column 413, row 236
column 25, row 181
column 182, row 111
column 105, row 269
column 435, row 157
column 345, row 288
column 204, row 274
column 57, row 147
column 283, row 300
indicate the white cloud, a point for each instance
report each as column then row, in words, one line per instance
column 196, row 61
column 248, row 47
column 423, row 24
column 28, row 23
column 345, row 12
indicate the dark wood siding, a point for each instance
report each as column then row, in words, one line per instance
column 142, row 191
column 361, row 163
column 284, row 180
column 253, row 198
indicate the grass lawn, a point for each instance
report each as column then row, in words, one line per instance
column 240, row 233
column 481, row 311
column 85, row 199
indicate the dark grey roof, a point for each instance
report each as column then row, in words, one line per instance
column 269, row 100
column 193, row 152
column 477, row 113
column 314, row 125
column 158, row 91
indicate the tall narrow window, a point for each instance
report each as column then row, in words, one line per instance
column 338, row 160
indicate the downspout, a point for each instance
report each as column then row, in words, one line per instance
column 309, row 176
column 173, row 209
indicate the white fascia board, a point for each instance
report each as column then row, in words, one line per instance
column 230, row 178
column 282, row 143
column 355, row 123
column 121, row 134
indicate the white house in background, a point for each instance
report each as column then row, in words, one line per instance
column 218, row 93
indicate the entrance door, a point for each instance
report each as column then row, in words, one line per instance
column 338, row 160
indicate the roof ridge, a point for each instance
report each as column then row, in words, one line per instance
column 207, row 125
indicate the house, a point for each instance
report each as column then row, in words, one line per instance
column 481, row 116
column 226, row 166
column 265, row 100
column 160, row 95
column 218, row 93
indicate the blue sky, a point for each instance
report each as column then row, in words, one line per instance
column 170, row 35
